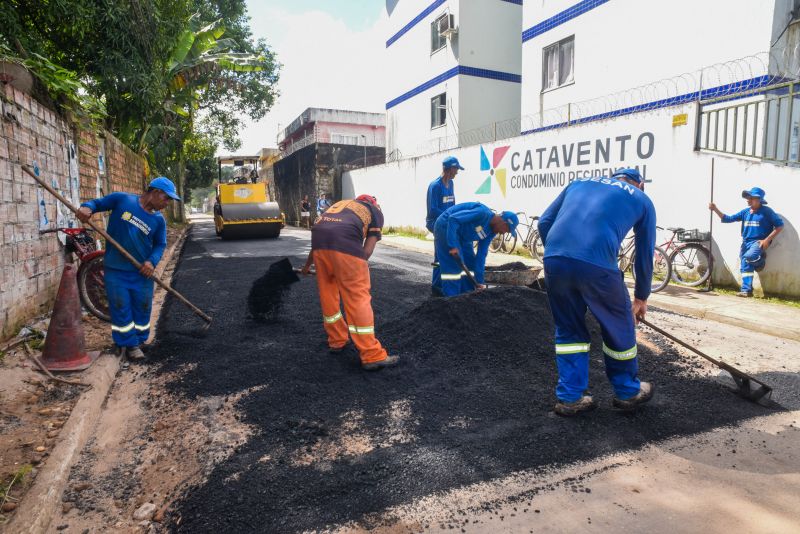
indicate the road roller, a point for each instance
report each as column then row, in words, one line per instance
column 244, row 211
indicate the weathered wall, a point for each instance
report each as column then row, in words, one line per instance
column 31, row 262
column 314, row 170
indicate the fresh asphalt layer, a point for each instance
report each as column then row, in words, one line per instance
column 470, row 402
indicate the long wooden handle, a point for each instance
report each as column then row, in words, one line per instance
column 116, row 245
column 468, row 273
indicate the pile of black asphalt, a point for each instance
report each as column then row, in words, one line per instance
column 474, row 387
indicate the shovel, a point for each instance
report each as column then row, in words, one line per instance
column 469, row 274
column 747, row 387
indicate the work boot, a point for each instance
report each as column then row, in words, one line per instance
column 389, row 361
column 644, row 395
column 134, row 353
column 570, row 409
column 744, row 294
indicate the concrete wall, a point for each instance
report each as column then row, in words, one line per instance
column 32, row 263
column 537, row 167
column 622, row 44
column 314, row 170
column 487, row 38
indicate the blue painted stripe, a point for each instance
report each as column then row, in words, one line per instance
column 427, row 11
column 450, row 73
column 518, row 2
column 560, row 18
column 713, row 92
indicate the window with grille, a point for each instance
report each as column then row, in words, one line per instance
column 344, row 139
column 558, row 62
column 438, row 110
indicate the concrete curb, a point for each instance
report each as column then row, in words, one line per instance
column 41, row 502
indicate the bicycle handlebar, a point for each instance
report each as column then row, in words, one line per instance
column 65, row 230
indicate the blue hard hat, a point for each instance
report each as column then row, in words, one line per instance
column 511, row 219
column 629, row 173
column 451, row 162
column 166, row 185
column 755, row 192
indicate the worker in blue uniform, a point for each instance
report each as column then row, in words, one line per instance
column 441, row 196
column 582, row 231
column 455, row 232
column 135, row 223
column 760, row 225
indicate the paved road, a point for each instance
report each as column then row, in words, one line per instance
column 465, row 441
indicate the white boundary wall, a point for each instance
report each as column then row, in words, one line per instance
column 538, row 166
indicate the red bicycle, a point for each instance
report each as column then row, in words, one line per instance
column 91, row 282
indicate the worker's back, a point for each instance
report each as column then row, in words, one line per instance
column 591, row 217
column 345, row 225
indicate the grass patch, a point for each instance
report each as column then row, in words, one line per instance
column 783, row 301
column 406, row 231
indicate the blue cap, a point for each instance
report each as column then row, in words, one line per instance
column 166, row 185
column 511, row 219
column 755, row 192
column 630, row 174
column 451, row 162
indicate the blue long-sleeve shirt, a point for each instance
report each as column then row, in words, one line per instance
column 466, row 223
column 756, row 225
column 591, row 217
column 439, row 199
column 140, row 232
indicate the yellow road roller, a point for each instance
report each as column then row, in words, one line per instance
column 243, row 211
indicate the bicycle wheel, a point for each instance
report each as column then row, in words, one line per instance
column 662, row 269
column 691, row 264
column 497, row 243
column 535, row 246
column 92, row 288
column 509, row 242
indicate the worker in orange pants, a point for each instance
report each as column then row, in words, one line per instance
column 342, row 240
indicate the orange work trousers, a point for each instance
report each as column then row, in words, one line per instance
column 344, row 277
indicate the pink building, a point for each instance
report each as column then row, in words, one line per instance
column 333, row 126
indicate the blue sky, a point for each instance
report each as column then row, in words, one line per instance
column 323, row 45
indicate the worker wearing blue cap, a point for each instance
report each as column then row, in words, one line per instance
column 760, row 225
column 441, row 196
column 135, row 223
column 455, row 232
column 582, row 231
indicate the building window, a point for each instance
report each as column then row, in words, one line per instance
column 438, row 110
column 438, row 41
column 558, row 64
column 344, row 139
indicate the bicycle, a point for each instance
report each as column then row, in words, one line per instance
column 691, row 261
column 531, row 240
column 662, row 267
column 91, row 282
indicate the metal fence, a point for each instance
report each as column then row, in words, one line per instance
column 764, row 124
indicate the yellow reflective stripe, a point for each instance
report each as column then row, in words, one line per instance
column 620, row 355
column 571, row 348
column 451, row 276
column 142, row 327
column 465, row 274
column 123, row 329
column 361, row 329
column 332, row 318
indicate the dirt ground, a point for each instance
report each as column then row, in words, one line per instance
column 33, row 409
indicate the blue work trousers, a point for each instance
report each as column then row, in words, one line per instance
column 130, row 298
column 436, row 278
column 572, row 287
column 752, row 259
column 454, row 279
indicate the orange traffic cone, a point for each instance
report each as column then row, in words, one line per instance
column 65, row 346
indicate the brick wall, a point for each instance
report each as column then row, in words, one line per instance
column 32, row 263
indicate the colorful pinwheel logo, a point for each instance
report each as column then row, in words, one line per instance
column 499, row 174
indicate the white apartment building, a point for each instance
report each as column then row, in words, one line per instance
column 637, row 52
column 454, row 67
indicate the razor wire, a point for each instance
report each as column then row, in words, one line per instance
column 735, row 78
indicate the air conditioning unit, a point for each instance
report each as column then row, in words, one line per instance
column 447, row 26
